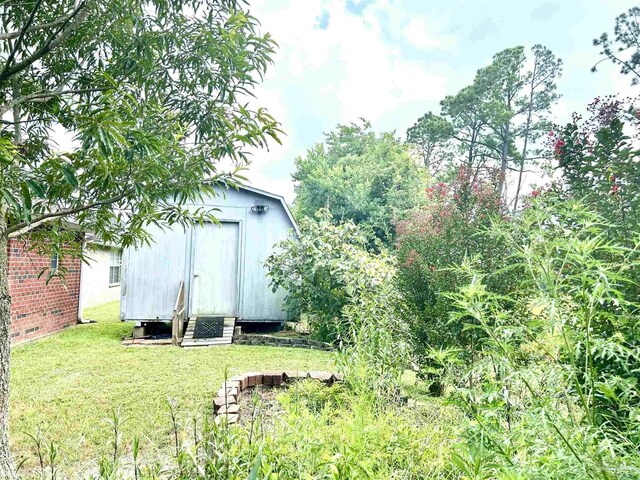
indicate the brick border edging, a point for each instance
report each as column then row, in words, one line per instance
column 272, row 340
column 225, row 404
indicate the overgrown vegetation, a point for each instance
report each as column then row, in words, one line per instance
column 450, row 228
column 323, row 432
column 358, row 429
column 328, row 268
column 554, row 387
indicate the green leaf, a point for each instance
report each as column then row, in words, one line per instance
column 36, row 187
column 26, row 202
column 255, row 469
column 69, row 176
column 11, row 200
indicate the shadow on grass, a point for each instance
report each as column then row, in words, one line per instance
column 108, row 326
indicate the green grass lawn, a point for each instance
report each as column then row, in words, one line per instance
column 71, row 382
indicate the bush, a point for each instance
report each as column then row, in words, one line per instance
column 599, row 157
column 326, row 269
column 452, row 227
column 350, row 295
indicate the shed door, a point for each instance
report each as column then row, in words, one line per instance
column 214, row 289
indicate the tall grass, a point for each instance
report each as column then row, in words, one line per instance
column 554, row 391
column 356, row 429
column 322, row 432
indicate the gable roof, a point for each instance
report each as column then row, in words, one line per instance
column 275, row 196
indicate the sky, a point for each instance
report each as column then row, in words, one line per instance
column 391, row 61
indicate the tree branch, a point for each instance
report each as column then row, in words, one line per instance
column 46, row 95
column 23, row 31
column 66, row 29
column 29, row 120
column 43, row 26
column 24, row 227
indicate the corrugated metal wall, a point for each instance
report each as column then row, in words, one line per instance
column 151, row 275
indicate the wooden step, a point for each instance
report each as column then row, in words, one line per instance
column 205, row 342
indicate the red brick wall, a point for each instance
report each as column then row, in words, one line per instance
column 38, row 308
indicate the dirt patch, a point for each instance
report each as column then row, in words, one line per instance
column 260, row 405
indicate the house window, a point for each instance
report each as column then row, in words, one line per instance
column 115, row 266
column 54, row 262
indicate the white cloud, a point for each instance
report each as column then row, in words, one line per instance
column 419, row 34
column 350, row 63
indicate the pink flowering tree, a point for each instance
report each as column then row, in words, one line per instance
column 599, row 157
column 454, row 225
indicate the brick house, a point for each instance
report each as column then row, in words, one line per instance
column 39, row 308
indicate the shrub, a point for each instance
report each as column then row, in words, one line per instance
column 326, row 269
column 450, row 228
column 350, row 295
column 600, row 160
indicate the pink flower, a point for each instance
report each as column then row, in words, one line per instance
column 412, row 257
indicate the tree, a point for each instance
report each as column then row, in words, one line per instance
column 494, row 121
column 155, row 93
column 321, row 269
column 359, row 176
column 540, row 86
column 521, row 102
column 503, row 82
column 453, row 225
column 599, row 159
column 624, row 49
column 469, row 115
column 428, row 135
column 470, row 112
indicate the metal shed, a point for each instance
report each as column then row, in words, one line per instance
column 212, row 271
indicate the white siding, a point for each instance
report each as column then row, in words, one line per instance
column 262, row 233
column 96, row 288
column 152, row 275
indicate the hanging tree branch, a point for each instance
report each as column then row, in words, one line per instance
column 24, row 227
column 47, row 95
column 33, row 28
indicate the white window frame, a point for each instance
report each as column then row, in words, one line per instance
column 115, row 265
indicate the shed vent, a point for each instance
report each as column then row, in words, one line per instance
column 208, row 327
